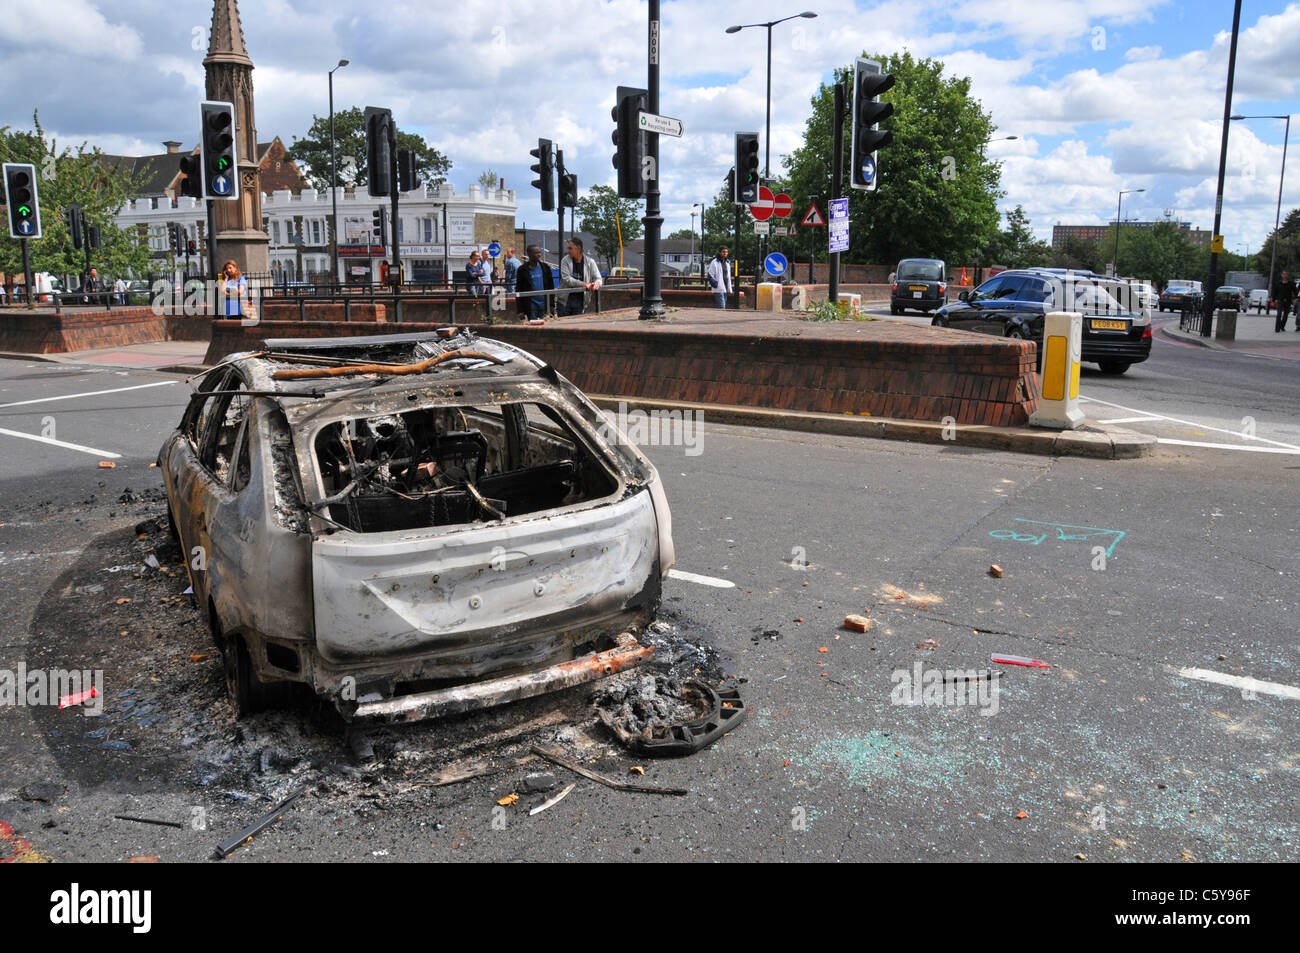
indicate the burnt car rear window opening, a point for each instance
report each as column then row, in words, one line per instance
column 450, row 465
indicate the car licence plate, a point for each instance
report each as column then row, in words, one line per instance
column 1110, row 325
column 916, row 287
column 916, row 294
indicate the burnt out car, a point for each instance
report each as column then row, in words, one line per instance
column 412, row 525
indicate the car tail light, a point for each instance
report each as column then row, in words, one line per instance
column 1146, row 332
column 943, row 287
column 894, row 288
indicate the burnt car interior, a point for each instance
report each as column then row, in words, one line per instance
column 439, row 466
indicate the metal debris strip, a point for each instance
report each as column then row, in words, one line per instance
column 148, row 820
column 553, row 801
column 396, row 370
column 617, row 785
column 228, row 846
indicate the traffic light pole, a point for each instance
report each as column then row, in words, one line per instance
column 559, row 210
column 27, row 274
column 1207, row 316
column 212, row 240
column 395, row 274
column 652, row 302
column 837, row 174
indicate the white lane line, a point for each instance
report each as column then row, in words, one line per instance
column 702, row 580
column 59, row 443
column 92, row 393
column 1225, row 446
column 1188, row 423
column 1128, row 420
column 1242, row 682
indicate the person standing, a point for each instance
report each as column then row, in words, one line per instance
column 533, row 275
column 489, row 267
column 512, row 267
column 119, row 289
column 232, row 290
column 1284, row 295
column 720, row 277
column 474, row 274
column 579, row 271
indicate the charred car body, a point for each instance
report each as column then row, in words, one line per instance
column 412, row 525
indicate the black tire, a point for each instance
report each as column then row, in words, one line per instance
column 938, row 322
column 1016, row 334
column 248, row 694
column 894, row 309
column 1114, row 367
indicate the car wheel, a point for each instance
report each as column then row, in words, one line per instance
column 938, row 322
column 1114, row 367
column 893, row 309
column 1016, row 334
column 248, row 694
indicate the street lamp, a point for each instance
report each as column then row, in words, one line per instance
column 334, row 186
column 1277, row 219
column 694, row 206
column 1118, row 206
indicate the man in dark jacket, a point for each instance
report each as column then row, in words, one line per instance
column 533, row 275
column 1284, row 295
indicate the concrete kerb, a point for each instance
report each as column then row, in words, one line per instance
column 1174, row 334
column 1096, row 440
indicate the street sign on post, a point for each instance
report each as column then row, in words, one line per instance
column 775, row 264
column 661, row 124
column 813, row 216
column 763, row 206
column 782, row 206
column 762, row 228
column 839, row 227
column 494, row 249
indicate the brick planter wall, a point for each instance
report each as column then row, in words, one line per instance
column 52, row 333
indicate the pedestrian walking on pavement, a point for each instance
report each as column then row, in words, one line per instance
column 577, row 270
column 533, row 275
column 720, row 277
column 1284, row 295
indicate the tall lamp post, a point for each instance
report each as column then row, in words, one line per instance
column 1118, row 206
column 767, row 137
column 1277, row 219
column 334, row 186
column 694, row 206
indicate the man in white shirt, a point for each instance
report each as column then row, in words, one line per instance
column 720, row 277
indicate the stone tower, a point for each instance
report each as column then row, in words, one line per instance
column 229, row 71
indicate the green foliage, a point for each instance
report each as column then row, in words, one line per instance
column 1015, row 246
column 1160, row 252
column 313, row 151
column 1287, row 238
column 938, row 192
column 66, row 177
column 719, row 230
column 602, row 212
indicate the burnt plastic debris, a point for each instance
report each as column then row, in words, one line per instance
column 640, row 722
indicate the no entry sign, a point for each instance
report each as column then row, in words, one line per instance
column 762, row 209
column 782, row 205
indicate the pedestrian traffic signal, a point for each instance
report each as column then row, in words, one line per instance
column 746, row 181
column 629, row 140
column 569, row 190
column 191, row 247
column 192, row 177
column 92, row 236
column 545, row 169
column 868, row 112
column 381, row 143
column 72, row 218
column 379, row 223
column 408, row 173
column 22, row 200
column 217, row 150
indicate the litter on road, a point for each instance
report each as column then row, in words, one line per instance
column 553, row 801
column 1019, row 660
column 578, row 769
column 228, row 847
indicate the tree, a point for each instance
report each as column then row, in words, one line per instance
column 1016, row 246
column 72, row 177
column 313, row 151
column 604, row 214
column 720, row 227
column 1160, row 252
column 489, row 179
column 1287, row 238
column 938, row 192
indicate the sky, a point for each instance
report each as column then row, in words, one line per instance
column 1103, row 95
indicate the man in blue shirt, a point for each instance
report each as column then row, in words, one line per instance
column 533, row 275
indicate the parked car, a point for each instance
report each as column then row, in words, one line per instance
column 919, row 284
column 626, row 273
column 414, row 544
column 1144, row 294
column 1230, row 297
column 1179, row 294
column 1013, row 304
column 1258, row 299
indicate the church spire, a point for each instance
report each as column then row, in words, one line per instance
column 226, row 39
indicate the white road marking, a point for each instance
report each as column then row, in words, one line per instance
column 702, row 580
column 1128, row 420
column 93, row 393
column 1225, row 446
column 60, row 443
column 1242, row 682
column 1187, row 423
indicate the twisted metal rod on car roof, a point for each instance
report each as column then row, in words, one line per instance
column 393, row 369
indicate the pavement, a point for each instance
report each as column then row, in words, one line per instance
column 186, row 356
column 1160, row 591
column 1256, row 335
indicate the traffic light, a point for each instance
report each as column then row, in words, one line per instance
column 746, row 181
column 629, row 140
column 545, row 169
column 22, row 200
column 92, row 236
column 191, row 247
column 192, row 183
column 177, row 238
column 868, row 112
column 569, row 190
column 379, row 222
column 408, row 173
column 72, row 216
column 217, row 150
column 381, row 140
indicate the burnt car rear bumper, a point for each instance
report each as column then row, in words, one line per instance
column 627, row 653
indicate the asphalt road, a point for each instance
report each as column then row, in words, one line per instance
column 1148, row 586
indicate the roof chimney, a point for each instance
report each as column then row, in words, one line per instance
column 173, row 146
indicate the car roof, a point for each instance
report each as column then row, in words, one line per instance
column 927, row 261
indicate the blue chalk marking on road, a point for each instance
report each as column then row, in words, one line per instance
column 1061, row 535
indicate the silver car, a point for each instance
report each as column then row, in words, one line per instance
column 412, row 525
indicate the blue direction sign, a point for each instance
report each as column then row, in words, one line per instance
column 839, row 227
column 775, row 264
column 495, row 249
column 869, row 170
column 221, row 185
